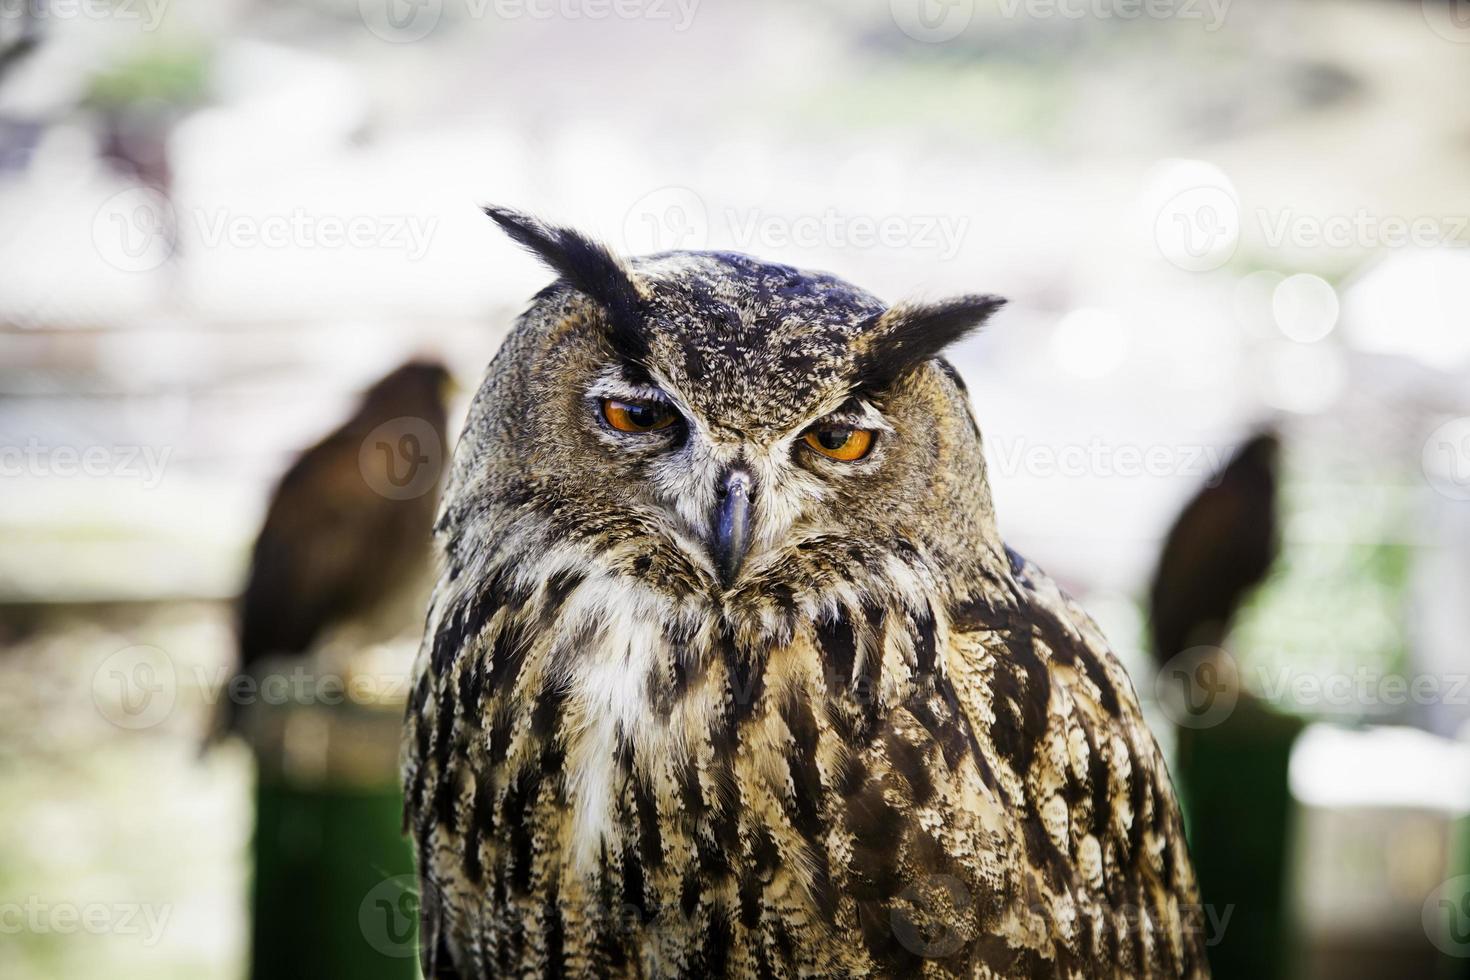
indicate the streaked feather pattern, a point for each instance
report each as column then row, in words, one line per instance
column 959, row 788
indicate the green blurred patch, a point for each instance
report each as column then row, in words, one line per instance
column 1335, row 605
column 174, row 75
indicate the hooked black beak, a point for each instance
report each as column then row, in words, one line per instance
column 731, row 523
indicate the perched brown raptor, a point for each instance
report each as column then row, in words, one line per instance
column 728, row 672
column 347, row 534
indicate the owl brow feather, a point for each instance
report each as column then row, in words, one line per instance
column 905, row 336
column 589, row 268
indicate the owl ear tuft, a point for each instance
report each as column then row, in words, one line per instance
column 905, row 336
column 588, row 267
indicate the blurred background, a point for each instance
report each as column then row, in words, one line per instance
column 1216, row 220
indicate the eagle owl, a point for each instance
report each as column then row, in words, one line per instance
column 729, row 673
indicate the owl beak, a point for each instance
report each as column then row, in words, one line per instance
column 731, row 523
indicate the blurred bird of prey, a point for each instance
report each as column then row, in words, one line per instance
column 1221, row 546
column 345, row 542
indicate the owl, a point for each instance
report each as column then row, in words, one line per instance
column 728, row 671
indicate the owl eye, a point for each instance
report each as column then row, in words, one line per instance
column 840, row 442
column 637, row 416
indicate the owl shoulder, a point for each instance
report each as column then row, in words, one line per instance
column 1057, row 720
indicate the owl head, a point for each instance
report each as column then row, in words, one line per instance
column 719, row 428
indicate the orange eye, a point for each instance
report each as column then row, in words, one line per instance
column 637, row 416
column 840, row 442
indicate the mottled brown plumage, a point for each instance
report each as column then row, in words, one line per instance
column 887, row 747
